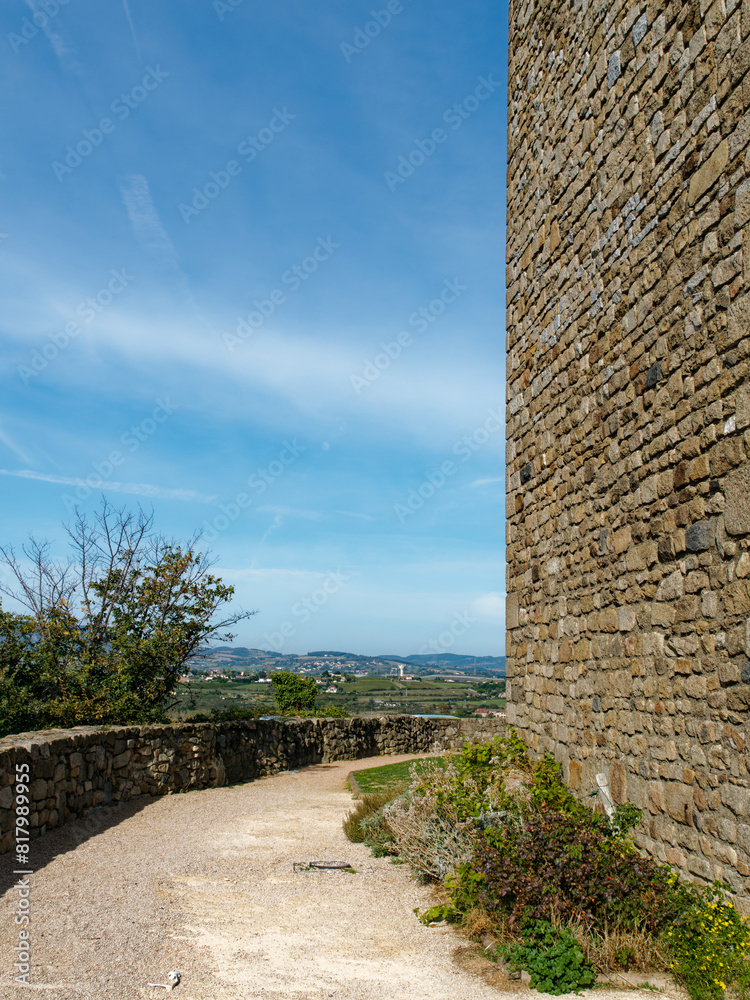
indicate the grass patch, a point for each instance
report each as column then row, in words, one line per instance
column 392, row 777
column 367, row 807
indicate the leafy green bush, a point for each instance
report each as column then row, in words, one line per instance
column 437, row 913
column 709, row 942
column 294, row 694
column 570, row 864
column 514, row 849
column 552, row 957
column 108, row 636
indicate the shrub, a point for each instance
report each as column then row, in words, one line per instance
column 108, row 635
column 570, row 865
column 515, row 850
column 434, row 823
column 709, row 942
column 366, row 807
column 552, row 957
column 293, row 693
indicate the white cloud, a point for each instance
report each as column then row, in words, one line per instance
column 10, row 443
column 138, row 489
column 419, row 395
column 144, row 218
column 132, row 28
column 490, row 605
column 487, row 482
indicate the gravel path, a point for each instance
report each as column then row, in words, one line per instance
column 204, row 883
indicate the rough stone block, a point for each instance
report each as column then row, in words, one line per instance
column 671, row 587
column 737, row 799
column 626, row 619
column 737, row 500
column 679, row 802
column 709, row 172
column 511, row 610
column 639, row 29
column 621, row 540
column 614, row 69
column 700, row 536
column 38, row 790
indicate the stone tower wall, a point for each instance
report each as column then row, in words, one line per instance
column 628, row 493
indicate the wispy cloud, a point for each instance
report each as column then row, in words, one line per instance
column 353, row 513
column 310, row 375
column 132, row 28
column 310, row 515
column 487, row 482
column 64, row 52
column 276, row 523
column 145, row 219
column 150, row 232
column 138, row 489
column 490, row 605
column 9, row 443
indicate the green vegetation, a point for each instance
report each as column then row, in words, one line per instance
column 294, row 694
column 354, row 696
column 552, row 957
column 560, row 886
column 107, row 636
column 709, row 943
column 355, row 825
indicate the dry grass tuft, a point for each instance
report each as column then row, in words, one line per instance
column 619, row 950
column 367, row 806
column 477, row 924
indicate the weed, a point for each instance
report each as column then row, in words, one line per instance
column 366, row 807
column 709, row 942
column 552, row 957
column 436, row 913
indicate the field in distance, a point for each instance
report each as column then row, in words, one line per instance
column 382, row 695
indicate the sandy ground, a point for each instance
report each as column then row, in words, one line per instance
column 204, row 883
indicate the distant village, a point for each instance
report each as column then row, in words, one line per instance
column 354, row 679
column 257, row 664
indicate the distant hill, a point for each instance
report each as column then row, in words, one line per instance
column 243, row 658
column 456, row 659
column 474, row 664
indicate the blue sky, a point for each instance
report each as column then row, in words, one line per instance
column 253, row 269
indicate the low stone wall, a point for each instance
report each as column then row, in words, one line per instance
column 69, row 772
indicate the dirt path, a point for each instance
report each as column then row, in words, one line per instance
column 204, row 883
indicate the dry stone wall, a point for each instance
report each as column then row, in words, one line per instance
column 628, row 322
column 72, row 771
